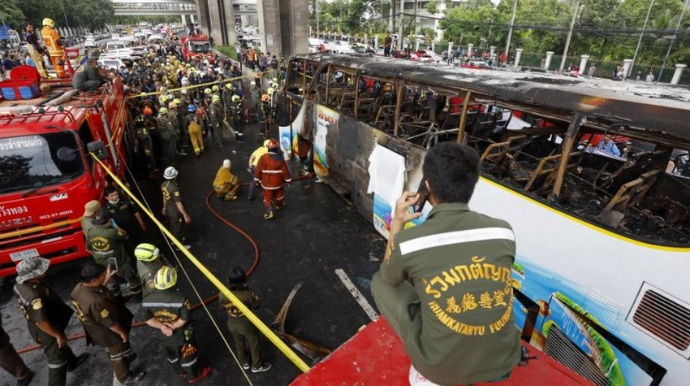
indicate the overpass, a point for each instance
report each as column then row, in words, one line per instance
column 154, row 7
column 283, row 24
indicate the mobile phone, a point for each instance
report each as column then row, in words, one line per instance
column 423, row 196
column 112, row 264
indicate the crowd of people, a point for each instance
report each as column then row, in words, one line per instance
column 176, row 105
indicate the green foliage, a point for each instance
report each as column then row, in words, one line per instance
column 11, row 14
column 92, row 14
column 542, row 25
column 431, row 7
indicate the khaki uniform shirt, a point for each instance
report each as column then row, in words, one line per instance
column 460, row 263
column 98, row 310
column 147, row 272
column 39, row 303
column 105, row 242
column 171, row 196
column 168, row 306
column 247, row 297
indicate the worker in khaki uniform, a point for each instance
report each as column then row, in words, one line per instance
column 169, row 311
column 168, row 138
column 105, row 242
column 91, row 209
column 456, row 332
column 244, row 333
column 149, row 261
column 35, row 50
column 106, row 320
column 216, row 118
column 56, row 49
column 47, row 317
column 173, row 206
column 11, row 362
column 195, row 130
column 226, row 184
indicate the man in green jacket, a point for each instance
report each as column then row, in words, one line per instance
column 445, row 286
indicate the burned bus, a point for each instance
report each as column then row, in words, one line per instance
column 592, row 175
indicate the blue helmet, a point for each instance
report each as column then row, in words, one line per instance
column 191, row 108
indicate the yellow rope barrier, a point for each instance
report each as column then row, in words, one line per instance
column 221, row 287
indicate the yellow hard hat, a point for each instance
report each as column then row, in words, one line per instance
column 215, row 87
column 228, row 86
column 207, row 91
column 166, row 277
column 146, row 252
column 163, row 110
column 171, row 105
column 177, row 101
column 235, row 98
column 215, row 98
column 49, row 22
column 270, row 91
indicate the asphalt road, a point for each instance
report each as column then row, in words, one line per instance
column 317, row 233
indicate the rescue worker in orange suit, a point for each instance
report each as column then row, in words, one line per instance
column 56, row 51
column 272, row 172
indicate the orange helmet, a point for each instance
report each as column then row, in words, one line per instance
column 265, row 98
column 272, row 144
column 148, row 111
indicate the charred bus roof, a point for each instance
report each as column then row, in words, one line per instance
column 653, row 111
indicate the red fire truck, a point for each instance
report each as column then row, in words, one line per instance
column 197, row 47
column 46, row 172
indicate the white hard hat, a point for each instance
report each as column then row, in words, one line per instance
column 170, row 173
column 227, row 164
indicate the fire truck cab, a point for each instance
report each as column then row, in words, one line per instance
column 197, row 47
column 47, row 173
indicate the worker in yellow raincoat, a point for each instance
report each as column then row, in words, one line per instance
column 226, row 184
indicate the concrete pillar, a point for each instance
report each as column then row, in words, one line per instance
column 583, row 63
column 678, row 73
column 284, row 27
column 493, row 51
column 192, row 18
column 215, row 29
column 433, row 45
column 230, row 23
column 416, row 44
column 184, row 21
column 450, row 48
column 547, row 62
column 470, row 50
column 626, row 67
column 518, row 55
column 376, row 42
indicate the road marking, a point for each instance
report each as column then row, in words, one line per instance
column 368, row 309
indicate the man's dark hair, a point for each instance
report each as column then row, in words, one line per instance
column 109, row 190
column 452, row 170
column 237, row 279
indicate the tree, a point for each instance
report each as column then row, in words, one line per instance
column 12, row 14
column 431, row 7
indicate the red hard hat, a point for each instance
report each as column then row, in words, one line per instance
column 272, row 144
column 148, row 111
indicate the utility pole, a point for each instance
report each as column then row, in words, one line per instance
column 510, row 31
column 639, row 42
column 668, row 52
column 316, row 7
column 570, row 34
column 400, row 26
